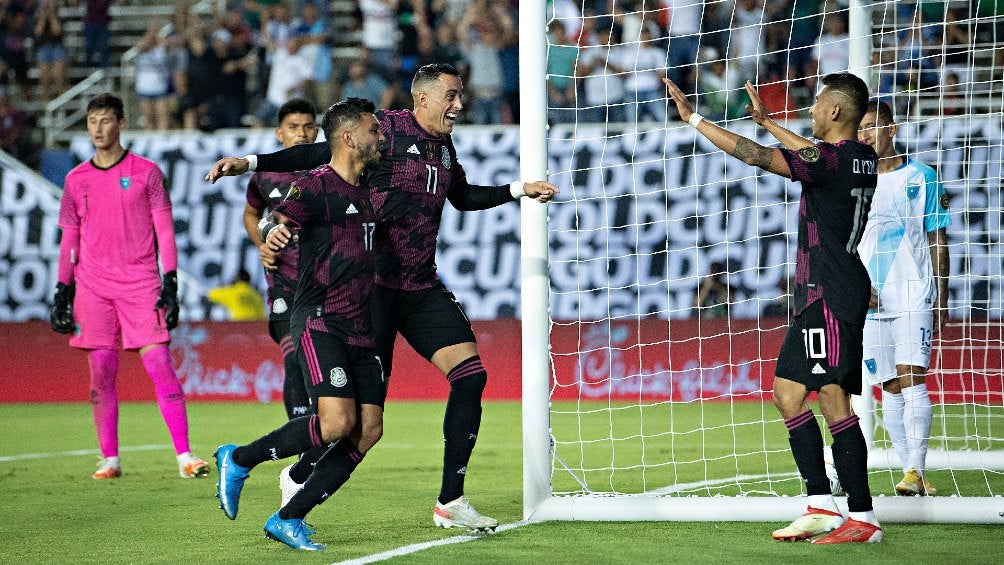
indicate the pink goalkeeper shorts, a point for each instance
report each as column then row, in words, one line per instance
column 102, row 320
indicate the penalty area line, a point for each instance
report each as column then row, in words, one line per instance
column 77, row 452
column 416, row 547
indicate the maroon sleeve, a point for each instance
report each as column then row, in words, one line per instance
column 812, row 165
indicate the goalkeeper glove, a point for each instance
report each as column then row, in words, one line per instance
column 169, row 299
column 61, row 313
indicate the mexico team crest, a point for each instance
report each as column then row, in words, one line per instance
column 124, row 182
column 338, row 378
column 445, row 158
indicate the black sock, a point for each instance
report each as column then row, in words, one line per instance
column 850, row 458
column 294, row 390
column 305, row 466
column 330, row 473
column 293, row 438
column 807, row 448
column 461, row 424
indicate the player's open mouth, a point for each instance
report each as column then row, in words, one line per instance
column 450, row 118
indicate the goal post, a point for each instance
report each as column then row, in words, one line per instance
column 637, row 406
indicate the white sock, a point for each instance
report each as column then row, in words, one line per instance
column 113, row 461
column 185, row 457
column 892, row 420
column 868, row 516
column 917, row 415
column 823, row 502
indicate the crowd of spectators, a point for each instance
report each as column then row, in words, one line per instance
column 604, row 62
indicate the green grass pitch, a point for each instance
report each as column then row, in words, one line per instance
column 54, row 512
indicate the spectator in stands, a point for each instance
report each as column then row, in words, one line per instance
column 316, row 36
column 241, row 35
column 561, row 57
column 201, row 78
column 290, row 75
column 154, row 73
column 716, row 81
column 799, row 25
column 15, row 132
column 96, row 24
column 509, row 59
column 227, row 107
column 746, row 44
column 14, row 33
column 380, row 33
column 953, row 99
column 713, row 296
column 832, row 53
column 443, row 48
column 683, row 19
column 412, row 27
column 50, row 53
column 483, row 32
column 645, row 65
column 603, row 85
column 958, row 42
column 363, row 83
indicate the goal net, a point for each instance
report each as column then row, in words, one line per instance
column 654, row 284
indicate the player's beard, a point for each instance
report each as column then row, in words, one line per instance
column 370, row 154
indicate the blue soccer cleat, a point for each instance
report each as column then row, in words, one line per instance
column 230, row 481
column 295, row 533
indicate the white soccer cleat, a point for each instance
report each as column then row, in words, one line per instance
column 107, row 469
column 460, row 514
column 814, row 522
column 287, row 485
column 191, row 467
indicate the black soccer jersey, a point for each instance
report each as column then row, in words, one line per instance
column 265, row 191
column 838, row 181
column 410, row 186
column 335, row 223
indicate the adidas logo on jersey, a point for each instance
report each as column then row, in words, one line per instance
column 351, row 209
column 817, row 370
column 275, row 193
column 414, row 149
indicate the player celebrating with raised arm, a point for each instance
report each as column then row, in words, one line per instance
column 297, row 126
column 334, row 221
column 904, row 250
column 410, row 186
column 822, row 349
column 116, row 220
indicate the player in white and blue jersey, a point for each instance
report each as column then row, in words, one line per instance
column 904, row 249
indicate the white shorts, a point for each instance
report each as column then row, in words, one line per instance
column 904, row 340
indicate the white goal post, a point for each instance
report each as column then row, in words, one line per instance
column 771, row 492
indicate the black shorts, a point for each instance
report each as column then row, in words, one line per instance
column 820, row 349
column 278, row 329
column 333, row 368
column 429, row 319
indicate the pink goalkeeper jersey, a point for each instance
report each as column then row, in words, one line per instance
column 113, row 209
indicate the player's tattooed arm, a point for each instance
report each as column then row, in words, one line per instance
column 752, row 153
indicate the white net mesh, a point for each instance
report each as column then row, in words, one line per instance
column 669, row 260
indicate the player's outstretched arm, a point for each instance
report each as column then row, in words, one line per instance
column 746, row 150
column 758, row 112
column 296, row 158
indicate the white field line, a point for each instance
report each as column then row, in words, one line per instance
column 414, row 548
column 77, row 452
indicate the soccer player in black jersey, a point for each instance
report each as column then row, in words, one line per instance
column 410, row 187
column 823, row 347
column 297, row 126
column 330, row 212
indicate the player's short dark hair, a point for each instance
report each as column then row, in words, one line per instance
column 882, row 110
column 107, row 101
column 431, row 72
column 854, row 89
column 345, row 114
column 296, row 106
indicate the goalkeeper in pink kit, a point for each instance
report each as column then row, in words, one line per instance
column 116, row 220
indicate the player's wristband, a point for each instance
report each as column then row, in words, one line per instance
column 252, row 162
column 516, row 189
column 265, row 225
column 695, row 119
